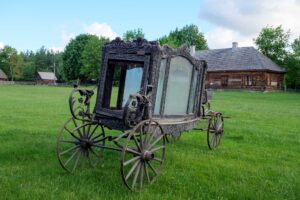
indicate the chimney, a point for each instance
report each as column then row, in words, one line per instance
column 235, row 45
column 192, row 50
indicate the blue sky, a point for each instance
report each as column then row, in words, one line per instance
column 29, row 24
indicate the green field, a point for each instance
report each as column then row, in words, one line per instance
column 259, row 157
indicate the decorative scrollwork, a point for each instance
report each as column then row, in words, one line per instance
column 136, row 109
column 79, row 102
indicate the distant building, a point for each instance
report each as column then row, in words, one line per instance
column 241, row 68
column 46, row 78
column 3, row 76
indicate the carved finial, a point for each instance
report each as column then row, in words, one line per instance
column 118, row 39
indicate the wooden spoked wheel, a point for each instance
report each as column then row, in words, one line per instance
column 173, row 138
column 215, row 130
column 79, row 145
column 143, row 154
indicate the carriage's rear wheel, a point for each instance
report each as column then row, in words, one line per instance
column 79, row 145
column 143, row 154
column 215, row 130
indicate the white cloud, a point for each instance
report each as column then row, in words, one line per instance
column 100, row 29
column 1, row 45
column 223, row 38
column 66, row 37
column 242, row 20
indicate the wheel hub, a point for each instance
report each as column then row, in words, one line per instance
column 85, row 143
column 147, row 155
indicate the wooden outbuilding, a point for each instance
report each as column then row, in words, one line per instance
column 3, row 76
column 241, row 68
column 46, row 78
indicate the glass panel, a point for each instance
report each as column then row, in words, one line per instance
column 160, row 85
column 193, row 93
column 132, row 82
column 178, row 86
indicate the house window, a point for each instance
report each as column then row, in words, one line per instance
column 248, row 80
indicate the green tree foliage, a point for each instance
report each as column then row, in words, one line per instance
column 273, row 42
column 189, row 35
column 133, row 35
column 29, row 71
column 11, row 62
column 293, row 65
column 91, row 57
column 72, row 57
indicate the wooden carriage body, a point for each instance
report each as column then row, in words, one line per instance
column 172, row 80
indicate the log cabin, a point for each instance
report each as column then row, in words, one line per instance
column 241, row 68
column 46, row 78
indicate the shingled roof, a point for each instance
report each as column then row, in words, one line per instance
column 2, row 74
column 47, row 76
column 237, row 59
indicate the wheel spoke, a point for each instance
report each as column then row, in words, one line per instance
column 147, row 173
column 157, row 159
column 68, row 150
column 131, row 160
column 151, row 167
column 136, row 142
column 71, row 132
column 97, row 141
column 97, row 136
column 71, row 157
column 157, row 148
column 133, row 151
column 93, row 131
column 157, row 140
column 79, row 132
column 76, row 163
column 142, row 174
column 152, row 135
column 132, row 169
column 92, row 150
column 69, row 141
column 137, row 172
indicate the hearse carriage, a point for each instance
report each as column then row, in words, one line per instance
column 147, row 96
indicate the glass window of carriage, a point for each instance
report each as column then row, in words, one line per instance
column 178, row 86
column 122, row 79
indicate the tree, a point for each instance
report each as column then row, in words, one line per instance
column 133, row 35
column 11, row 62
column 91, row 57
column 292, row 63
column 273, row 43
column 28, row 71
column 189, row 35
column 72, row 57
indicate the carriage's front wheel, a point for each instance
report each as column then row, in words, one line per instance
column 79, row 144
column 215, row 130
column 143, row 154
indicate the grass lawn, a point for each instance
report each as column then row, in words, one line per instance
column 259, row 157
